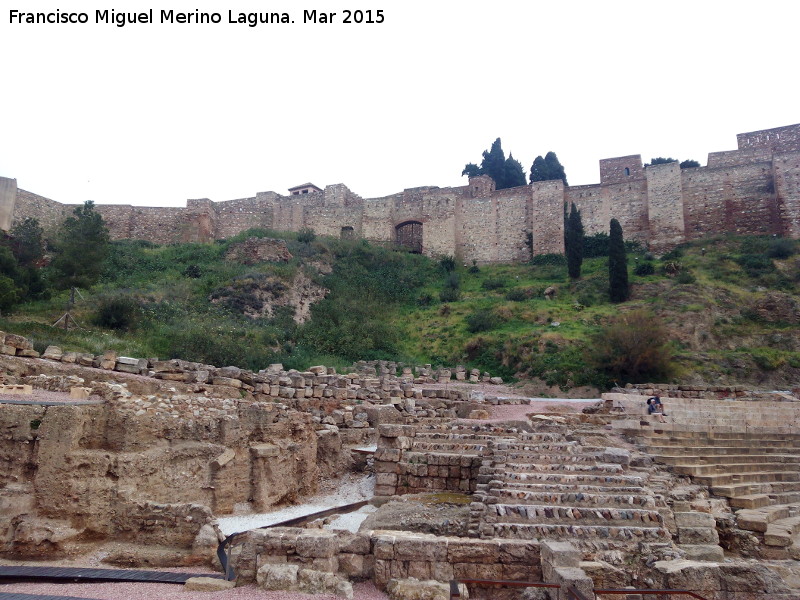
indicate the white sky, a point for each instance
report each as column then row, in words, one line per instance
column 155, row 114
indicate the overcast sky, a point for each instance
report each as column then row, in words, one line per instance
column 153, row 114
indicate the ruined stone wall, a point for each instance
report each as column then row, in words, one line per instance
column 627, row 203
column 235, row 216
column 385, row 555
column 8, row 198
column 738, row 200
column 546, row 223
column 786, row 169
column 751, row 190
column 594, row 211
column 340, row 208
column 778, row 139
column 664, row 206
column 48, row 212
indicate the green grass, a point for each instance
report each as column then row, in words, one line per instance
column 385, row 304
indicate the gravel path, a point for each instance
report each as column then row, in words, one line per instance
column 161, row 591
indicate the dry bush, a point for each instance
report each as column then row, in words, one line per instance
column 633, row 348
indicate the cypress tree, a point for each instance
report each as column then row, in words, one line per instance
column 513, row 172
column 573, row 240
column 617, row 264
column 494, row 164
column 554, row 167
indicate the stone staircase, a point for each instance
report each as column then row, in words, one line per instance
column 542, row 486
column 751, row 469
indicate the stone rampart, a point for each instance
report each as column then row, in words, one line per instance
column 751, row 190
column 384, row 555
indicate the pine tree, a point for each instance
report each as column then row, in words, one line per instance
column 573, row 241
column 82, row 246
column 555, row 167
column 617, row 264
column 27, row 242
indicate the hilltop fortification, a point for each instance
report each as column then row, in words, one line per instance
column 754, row 189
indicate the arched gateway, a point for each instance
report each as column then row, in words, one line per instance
column 409, row 235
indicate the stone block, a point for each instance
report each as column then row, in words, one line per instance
column 278, row 577
column 127, row 360
column 704, row 552
column 19, row 342
column 319, row 544
column 53, row 353
column 123, row 368
column 264, row 451
column 383, row 547
column 473, row 551
column 227, row 381
column 16, row 389
column 80, row 393
column 697, row 535
column 422, row 548
column 694, row 519
column 208, row 584
column 9, row 350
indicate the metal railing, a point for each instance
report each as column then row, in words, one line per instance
column 572, row 592
column 651, row 593
column 456, row 593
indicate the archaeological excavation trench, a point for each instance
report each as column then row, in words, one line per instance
column 168, row 463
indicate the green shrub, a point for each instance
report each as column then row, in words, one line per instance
column 673, row 254
column 448, row 264
column 482, row 320
column 632, row 348
column 117, row 312
column 474, row 268
column 425, row 300
column 755, row 265
column 193, row 272
column 449, row 294
column 551, row 260
column 685, row 277
column 306, row 235
column 493, row 284
column 644, row 269
column 781, row 248
column 452, row 281
column 595, row 245
column 519, row 294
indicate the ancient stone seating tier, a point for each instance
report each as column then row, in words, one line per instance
column 706, row 414
column 542, row 486
column 412, row 459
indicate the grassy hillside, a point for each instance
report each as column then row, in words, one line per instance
column 724, row 310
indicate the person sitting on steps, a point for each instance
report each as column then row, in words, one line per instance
column 654, row 407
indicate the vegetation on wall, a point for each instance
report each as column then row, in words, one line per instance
column 506, row 172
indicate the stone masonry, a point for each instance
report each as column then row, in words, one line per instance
column 752, row 190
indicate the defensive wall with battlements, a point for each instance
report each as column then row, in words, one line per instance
column 752, row 190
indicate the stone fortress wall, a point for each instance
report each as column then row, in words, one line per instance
column 752, row 190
